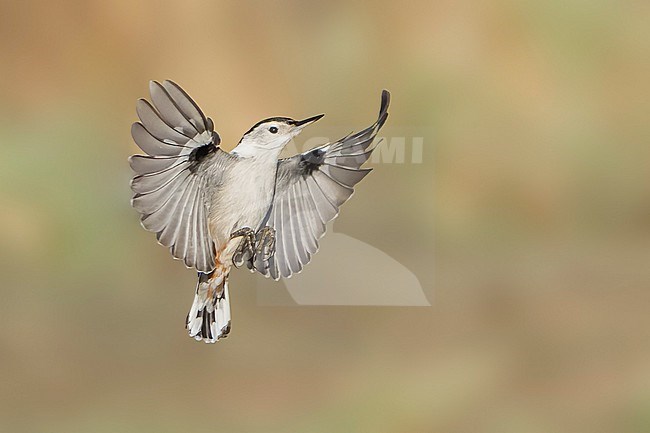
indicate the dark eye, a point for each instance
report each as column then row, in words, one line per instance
column 273, row 130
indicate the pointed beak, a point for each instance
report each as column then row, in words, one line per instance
column 302, row 123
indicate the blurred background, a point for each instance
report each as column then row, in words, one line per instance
column 527, row 222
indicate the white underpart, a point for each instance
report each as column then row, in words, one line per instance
column 243, row 198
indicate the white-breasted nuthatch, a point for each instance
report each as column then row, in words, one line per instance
column 216, row 209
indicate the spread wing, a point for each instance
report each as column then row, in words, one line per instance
column 310, row 188
column 170, row 182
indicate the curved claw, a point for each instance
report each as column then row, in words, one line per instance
column 264, row 249
column 246, row 248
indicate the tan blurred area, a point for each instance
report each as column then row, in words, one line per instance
column 527, row 222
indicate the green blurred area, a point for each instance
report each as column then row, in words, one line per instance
column 528, row 222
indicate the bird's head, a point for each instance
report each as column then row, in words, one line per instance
column 271, row 134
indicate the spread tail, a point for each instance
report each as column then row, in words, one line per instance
column 209, row 317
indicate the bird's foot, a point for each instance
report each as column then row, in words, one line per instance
column 264, row 248
column 246, row 248
column 265, row 242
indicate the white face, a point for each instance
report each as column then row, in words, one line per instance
column 273, row 135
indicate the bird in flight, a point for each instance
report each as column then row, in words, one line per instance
column 216, row 209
